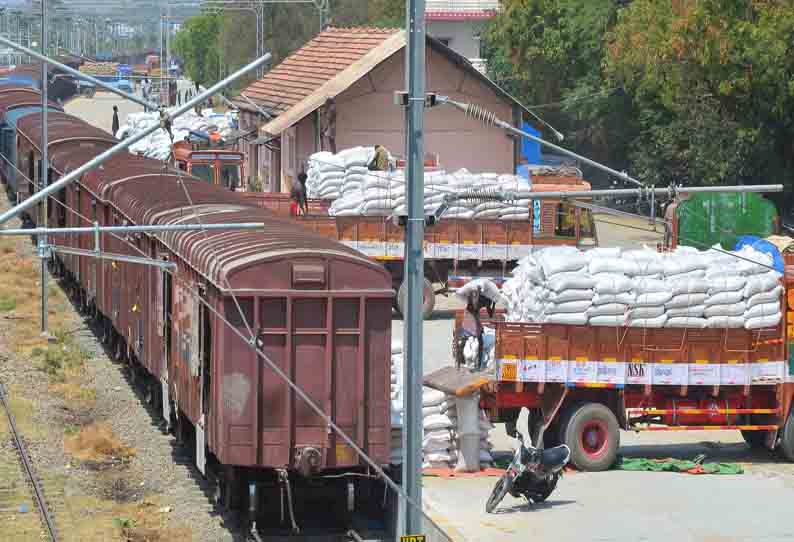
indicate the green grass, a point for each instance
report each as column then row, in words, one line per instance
column 7, row 303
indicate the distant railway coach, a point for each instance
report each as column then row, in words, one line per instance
column 318, row 309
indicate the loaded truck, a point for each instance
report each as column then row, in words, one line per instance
column 583, row 383
column 455, row 250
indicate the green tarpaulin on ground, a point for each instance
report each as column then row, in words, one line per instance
column 677, row 465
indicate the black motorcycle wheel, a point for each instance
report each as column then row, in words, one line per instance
column 547, row 489
column 498, row 493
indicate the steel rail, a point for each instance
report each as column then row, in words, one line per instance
column 38, row 493
column 166, row 119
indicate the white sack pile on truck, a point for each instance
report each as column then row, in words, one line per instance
column 346, row 178
column 157, row 145
column 687, row 288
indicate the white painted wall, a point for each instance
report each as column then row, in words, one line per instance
column 461, row 35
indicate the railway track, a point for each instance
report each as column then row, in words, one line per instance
column 14, row 479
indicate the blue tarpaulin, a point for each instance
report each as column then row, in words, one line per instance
column 762, row 246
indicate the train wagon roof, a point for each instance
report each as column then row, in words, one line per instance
column 61, row 127
column 13, row 117
column 146, row 192
column 219, row 254
column 16, row 97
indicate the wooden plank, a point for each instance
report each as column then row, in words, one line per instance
column 458, row 382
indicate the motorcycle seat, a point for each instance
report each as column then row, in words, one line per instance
column 555, row 458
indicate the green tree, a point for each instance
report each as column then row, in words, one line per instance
column 197, row 45
column 713, row 81
column 549, row 54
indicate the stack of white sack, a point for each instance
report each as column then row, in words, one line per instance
column 438, row 449
column 396, row 403
column 743, row 292
column 686, row 288
column 552, row 286
column 158, row 144
column 356, row 191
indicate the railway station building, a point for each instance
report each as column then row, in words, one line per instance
column 337, row 91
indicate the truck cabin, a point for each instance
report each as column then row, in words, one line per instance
column 215, row 166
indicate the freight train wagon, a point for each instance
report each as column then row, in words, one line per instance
column 583, row 384
column 318, row 309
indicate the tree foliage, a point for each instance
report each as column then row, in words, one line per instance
column 678, row 91
column 197, row 45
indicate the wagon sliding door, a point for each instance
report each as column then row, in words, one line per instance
column 324, row 337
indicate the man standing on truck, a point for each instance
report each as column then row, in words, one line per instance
column 479, row 294
column 379, row 162
column 298, row 205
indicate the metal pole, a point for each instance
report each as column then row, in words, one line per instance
column 658, row 191
column 168, row 118
column 44, row 175
column 78, row 73
column 168, row 54
column 414, row 262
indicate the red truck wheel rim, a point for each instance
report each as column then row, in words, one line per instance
column 594, row 438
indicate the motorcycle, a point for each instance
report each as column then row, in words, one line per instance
column 533, row 473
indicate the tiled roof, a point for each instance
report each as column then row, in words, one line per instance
column 314, row 64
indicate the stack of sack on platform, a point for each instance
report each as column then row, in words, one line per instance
column 686, row 288
column 438, row 449
column 396, row 403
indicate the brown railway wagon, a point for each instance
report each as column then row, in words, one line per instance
column 320, row 310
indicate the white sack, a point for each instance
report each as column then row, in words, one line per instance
column 773, row 296
column 653, row 299
column 688, row 286
column 695, row 311
column 764, row 282
column 570, row 295
column 576, row 319
column 764, row 309
column 733, row 309
column 613, row 265
column 726, row 284
column 725, row 298
column 659, row 321
column 649, row 286
column 610, row 309
column 687, row 322
column 727, row 322
column 615, row 320
column 642, row 313
column 431, row 397
column 686, row 300
column 612, row 283
column 569, row 281
column 569, row 307
column 763, row 321
column 626, row 298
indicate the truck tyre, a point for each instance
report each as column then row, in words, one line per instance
column 755, row 439
column 428, row 303
column 591, row 432
column 787, row 439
